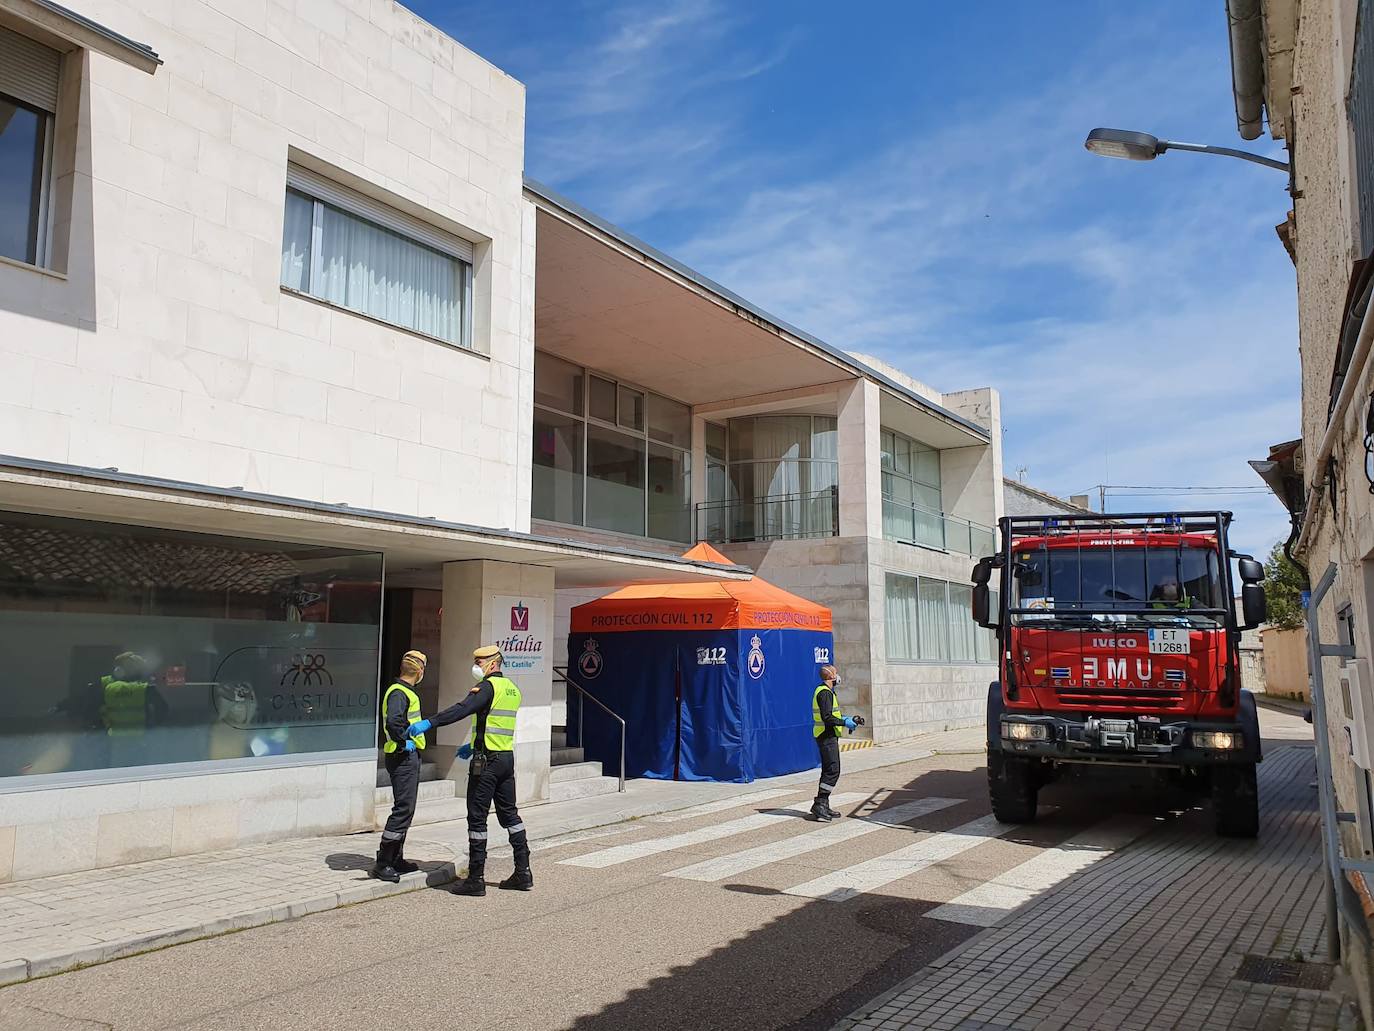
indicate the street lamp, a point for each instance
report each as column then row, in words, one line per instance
column 1141, row 146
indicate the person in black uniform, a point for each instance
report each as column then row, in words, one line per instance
column 401, row 709
column 494, row 702
column 827, row 722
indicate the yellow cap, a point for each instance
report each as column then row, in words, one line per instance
column 487, row 651
column 414, row 661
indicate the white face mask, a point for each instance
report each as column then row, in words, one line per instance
column 837, row 681
column 477, row 673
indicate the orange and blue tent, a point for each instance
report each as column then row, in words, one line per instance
column 713, row 679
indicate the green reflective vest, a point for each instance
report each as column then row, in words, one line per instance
column 818, row 722
column 494, row 730
column 412, row 716
column 124, row 710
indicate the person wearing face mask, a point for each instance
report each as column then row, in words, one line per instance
column 827, row 722
column 401, row 714
column 494, row 703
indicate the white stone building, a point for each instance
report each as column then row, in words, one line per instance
column 293, row 361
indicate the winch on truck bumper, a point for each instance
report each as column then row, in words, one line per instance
column 1143, row 739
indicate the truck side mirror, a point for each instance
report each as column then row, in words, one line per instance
column 982, row 606
column 1253, row 606
column 982, row 572
column 1251, row 572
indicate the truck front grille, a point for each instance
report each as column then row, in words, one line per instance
column 1110, row 699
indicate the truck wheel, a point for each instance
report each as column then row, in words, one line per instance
column 1012, row 786
column 1235, row 801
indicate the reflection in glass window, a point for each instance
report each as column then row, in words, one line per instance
column 23, row 143
column 557, row 494
column 127, row 646
column 615, row 481
column 670, row 492
column 557, row 384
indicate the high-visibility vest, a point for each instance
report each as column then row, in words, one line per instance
column 125, row 706
column 412, row 716
column 818, row 723
column 494, row 730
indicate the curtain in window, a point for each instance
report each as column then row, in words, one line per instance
column 295, row 241
column 380, row 273
column 902, row 616
column 933, row 609
column 962, row 626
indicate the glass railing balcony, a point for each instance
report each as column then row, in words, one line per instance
column 776, row 517
column 913, row 524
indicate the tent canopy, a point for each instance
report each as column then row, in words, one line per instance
column 752, row 604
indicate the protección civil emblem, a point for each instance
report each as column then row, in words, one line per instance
column 589, row 662
column 755, row 660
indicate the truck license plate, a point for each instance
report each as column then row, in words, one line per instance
column 1169, row 642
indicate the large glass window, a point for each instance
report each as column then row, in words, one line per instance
column 931, row 620
column 29, row 76
column 783, row 476
column 354, row 261
column 624, row 466
column 911, row 491
column 127, row 646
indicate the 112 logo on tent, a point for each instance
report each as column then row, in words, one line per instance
column 710, row 656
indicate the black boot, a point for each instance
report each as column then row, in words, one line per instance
column 834, row 813
column 384, row 869
column 401, row 864
column 821, row 812
column 521, row 880
column 475, row 884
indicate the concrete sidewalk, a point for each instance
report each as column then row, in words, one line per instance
column 53, row 924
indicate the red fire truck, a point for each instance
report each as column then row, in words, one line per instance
column 1119, row 646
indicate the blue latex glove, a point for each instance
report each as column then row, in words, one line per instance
column 465, row 752
column 850, row 724
column 419, row 727
column 410, row 745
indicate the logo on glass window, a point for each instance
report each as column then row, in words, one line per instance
column 307, row 670
column 520, row 618
column 590, row 662
column 755, row 660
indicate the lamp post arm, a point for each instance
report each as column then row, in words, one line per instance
column 1244, row 155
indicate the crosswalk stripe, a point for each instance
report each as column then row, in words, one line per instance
column 653, row 846
column 576, row 836
column 936, row 848
column 722, row 804
column 831, row 834
column 986, row 904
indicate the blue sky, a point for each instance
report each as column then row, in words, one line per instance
column 908, row 179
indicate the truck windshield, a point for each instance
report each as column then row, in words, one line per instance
column 1156, row 586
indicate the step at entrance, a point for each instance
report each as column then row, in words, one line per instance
column 566, row 756
column 569, row 772
column 428, row 772
column 430, row 791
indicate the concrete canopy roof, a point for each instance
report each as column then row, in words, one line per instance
column 411, row 543
column 609, row 301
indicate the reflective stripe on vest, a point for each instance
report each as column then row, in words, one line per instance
column 124, row 710
column 818, row 724
column 412, row 716
column 497, row 725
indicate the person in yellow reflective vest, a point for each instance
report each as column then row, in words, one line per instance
column 401, row 755
column 129, row 704
column 494, row 703
column 827, row 722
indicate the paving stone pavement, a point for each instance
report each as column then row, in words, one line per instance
column 1151, row 937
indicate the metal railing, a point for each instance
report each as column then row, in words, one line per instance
column 774, row 517
column 561, row 673
column 915, row 524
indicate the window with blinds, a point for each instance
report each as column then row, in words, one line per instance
column 29, row 76
column 350, row 251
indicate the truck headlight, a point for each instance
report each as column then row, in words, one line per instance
column 1217, row 740
column 1025, row 731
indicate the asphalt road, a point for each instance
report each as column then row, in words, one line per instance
column 611, row 941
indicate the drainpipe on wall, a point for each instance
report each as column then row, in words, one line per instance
column 1246, row 32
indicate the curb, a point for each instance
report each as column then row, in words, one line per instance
column 15, row 971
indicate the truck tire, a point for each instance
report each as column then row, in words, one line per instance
column 1012, row 787
column 1235, row 801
